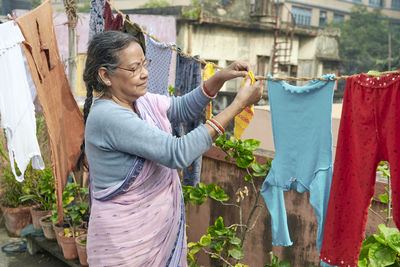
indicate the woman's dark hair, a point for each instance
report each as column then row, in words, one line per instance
column 102, row 52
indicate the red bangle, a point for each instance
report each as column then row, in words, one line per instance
column 216, row 123
column 207, row 94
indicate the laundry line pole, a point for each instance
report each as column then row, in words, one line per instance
column 71, row 11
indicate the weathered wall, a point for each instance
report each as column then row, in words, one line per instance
column 301, row 217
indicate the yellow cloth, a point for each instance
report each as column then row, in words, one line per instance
column 208, row 71
column 243, row 119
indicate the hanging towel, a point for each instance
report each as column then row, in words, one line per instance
column 208, row 71
column 63, row 118
column 188, row 77
column 369, row 132
column 136, row 31
column 111, row 23
column 16, row 104
column 302, row 129
column 244, row 118
column 160, row 56
column 96, row 22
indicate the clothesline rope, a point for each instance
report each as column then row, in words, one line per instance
column 337, row 78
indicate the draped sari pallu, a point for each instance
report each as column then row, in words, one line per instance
column 140, row 221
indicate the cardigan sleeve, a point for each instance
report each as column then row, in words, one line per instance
column 187, row 107
column 124, row 131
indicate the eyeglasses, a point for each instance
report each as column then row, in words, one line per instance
column 138, row 67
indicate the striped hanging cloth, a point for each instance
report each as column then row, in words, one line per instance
column 208, row 71
column 243, row 119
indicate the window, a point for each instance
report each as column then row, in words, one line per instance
column 322, row 18
column 302, row 16
column 376, row 3
column 396, row 4
column 338, row 18
column 262, row 65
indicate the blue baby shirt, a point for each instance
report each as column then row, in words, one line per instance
column 302, row 129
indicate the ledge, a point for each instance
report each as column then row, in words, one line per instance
column 217, row 154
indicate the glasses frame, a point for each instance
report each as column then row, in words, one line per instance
column 145, row 64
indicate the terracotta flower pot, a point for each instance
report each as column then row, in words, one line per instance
column 47, row 227
column 57, row 229
column 68, row 246
column 16, row 219
column 81, row 248
column 36, row 215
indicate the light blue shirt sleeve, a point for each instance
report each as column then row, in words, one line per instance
column 132, row 135
column 187, row 107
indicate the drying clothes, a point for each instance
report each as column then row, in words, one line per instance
column 369, row 132
column 302, row 129
column 136, row 31
column 96, row 22
column 243, row 119
column 63, row 117
column 208, row 71
column 111, row 23
column 188, row 77
column 160, row 56
column 16, row 104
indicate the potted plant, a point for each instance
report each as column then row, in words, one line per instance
column 42, row 193
column 16, row 213
column 75, row 207
column 80, row 242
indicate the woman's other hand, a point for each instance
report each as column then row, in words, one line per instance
column 249, row 94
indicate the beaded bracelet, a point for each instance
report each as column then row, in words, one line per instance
column 218, row 125
column 206, row 93
column 215, row 127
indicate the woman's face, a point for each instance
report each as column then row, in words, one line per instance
column 129, row 82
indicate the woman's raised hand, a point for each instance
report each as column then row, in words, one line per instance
column 235, row 70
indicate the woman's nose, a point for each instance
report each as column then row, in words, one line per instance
column 144, row 73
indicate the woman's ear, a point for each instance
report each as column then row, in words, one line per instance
column 104, row 76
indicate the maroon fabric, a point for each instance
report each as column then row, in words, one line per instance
column 111, row 23
column 63, row 118
column 369, row 133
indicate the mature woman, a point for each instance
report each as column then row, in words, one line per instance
column 137, row 213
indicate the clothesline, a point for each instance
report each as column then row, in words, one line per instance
column 337, row 78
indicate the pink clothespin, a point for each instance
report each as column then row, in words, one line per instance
column 13, row 17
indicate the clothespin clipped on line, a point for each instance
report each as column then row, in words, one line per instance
column 242, row 120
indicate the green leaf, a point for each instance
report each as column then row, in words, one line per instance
column 363, row 263
column 284, row 263
column 251, row 144
column 241, row 265
column 219, row 223
column 191, row 244
column 366, row 244
column 218, row 194
column 244, row 161
column 205, row 240
column 236, row 253
column 385, row 231
column 235, row 241
column 381, row 255
column 248, row 178
column 394, row 242
column 259, row 170
column 384, row 198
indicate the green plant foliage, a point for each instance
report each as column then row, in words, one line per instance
column 197, row 195
column 364, row 41
column 382, row 249
column 84, row 7
column 221, row 242
column 35, row 3
column 75, row 205
column 155, row 3
column 42, row 191
column 277, row 263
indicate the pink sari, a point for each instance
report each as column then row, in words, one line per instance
column 140, row 221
